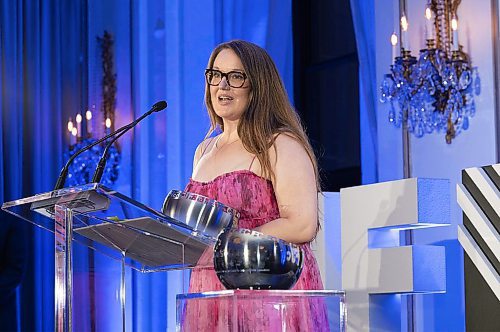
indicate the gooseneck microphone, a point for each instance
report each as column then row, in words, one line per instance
column 64, row 172
column 159, row 106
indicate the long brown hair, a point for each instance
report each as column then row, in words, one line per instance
column 269, row 111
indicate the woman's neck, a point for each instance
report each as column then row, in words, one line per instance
column 230, row 130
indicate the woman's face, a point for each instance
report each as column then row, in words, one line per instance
column 229, row 102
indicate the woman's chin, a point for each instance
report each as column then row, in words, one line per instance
column 228, row 115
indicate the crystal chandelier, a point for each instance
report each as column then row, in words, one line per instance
column 434, row 93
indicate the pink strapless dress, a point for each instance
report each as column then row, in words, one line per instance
column 253, row 196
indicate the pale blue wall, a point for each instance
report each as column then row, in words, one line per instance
column 431, row 157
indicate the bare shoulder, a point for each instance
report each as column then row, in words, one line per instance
column 287, row 146
column 289, row 157
column 204, row 144
column 202, row 148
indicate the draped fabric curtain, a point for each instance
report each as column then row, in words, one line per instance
column 363, row 15
column 38, row 82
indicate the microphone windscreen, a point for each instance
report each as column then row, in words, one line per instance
column 159, row 106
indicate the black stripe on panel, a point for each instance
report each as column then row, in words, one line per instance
column 482, row 307
column 485, row 206
column 482, row 244
column 493, row 175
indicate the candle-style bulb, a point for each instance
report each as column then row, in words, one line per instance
column 72, row 135
column 428, row 13
column 79, row 125
column 429, row 31
column 108, row 123
column 70, row 125
column 394, row 42
column 88, row 116
column 404, row 23
column 404, row 32
column 394, row 39
column 454, row 28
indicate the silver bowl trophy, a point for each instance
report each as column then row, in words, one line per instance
column 246, row 259
column 243, row 259
column 201, row 213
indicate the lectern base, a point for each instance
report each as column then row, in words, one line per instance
column 262, row 310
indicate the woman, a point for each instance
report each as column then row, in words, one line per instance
column 261, row 165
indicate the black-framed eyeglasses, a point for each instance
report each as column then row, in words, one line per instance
column 235, row 79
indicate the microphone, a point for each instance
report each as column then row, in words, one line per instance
column 159, row 106
column 64, row 172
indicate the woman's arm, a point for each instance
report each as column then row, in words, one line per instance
column 296, row 193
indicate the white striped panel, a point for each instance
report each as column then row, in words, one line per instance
column 479, row 220
column 486, row 187
column 496, row 167
column 479, row 259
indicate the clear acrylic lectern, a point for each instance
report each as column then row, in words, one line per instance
column 114, row 224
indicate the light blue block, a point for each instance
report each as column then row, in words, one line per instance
column 433, row 201
column 429, row 269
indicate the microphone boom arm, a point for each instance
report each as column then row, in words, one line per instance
column 64, row 171
column 96, row 178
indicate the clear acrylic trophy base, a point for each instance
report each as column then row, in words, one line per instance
column 262, row 310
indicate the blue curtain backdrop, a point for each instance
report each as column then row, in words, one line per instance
column 363, row 15
column 161, row 49
column 38, row 81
